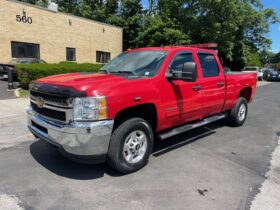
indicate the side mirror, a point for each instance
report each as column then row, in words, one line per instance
column 189, row 72
column 227, row 70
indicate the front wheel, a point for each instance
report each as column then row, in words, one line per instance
column 237, row 116
column 131, row 145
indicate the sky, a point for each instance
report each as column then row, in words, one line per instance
column 274, row 34
column 274, row 29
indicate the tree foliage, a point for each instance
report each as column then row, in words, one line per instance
column 239, row 26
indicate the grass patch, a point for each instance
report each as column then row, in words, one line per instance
column 21, row 93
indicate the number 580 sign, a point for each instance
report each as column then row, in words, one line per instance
column 24, row 19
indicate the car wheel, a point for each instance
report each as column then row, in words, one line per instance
column 131, row 145
column 237, row 116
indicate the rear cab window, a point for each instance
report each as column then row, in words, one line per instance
column 209, row 65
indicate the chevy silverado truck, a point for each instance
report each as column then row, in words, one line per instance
column 141, row 95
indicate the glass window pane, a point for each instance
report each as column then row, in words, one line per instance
column 209, row 65
column 103, row 57
column 179, row 60
column 70, row 54
column 25, row 50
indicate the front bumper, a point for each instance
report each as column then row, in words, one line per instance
column 81, row 140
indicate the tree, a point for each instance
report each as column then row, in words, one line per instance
column 253, row 59
column 42, row 3
column 132, row 22
column 69, row 6
column 267, row 57
column 238, row 26
column 276, row 58
column 159, row 32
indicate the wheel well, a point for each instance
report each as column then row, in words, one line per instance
column 246, row 93
column 147, row 112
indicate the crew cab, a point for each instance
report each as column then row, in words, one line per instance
column 144, row 94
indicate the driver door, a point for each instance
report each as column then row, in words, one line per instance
column 184, row 101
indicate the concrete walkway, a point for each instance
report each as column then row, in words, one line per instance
column 12, row 122
column 269, row 196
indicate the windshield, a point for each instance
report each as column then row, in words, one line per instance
column 136, row 63
column 26, row 61
column 20, row 61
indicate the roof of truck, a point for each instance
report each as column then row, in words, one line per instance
column 172, row 48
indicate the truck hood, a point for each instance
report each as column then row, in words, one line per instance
column 93, row 84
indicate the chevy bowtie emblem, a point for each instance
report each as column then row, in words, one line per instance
column 40, row 102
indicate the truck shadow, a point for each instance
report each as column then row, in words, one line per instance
column 162, row 147
column 51, row 159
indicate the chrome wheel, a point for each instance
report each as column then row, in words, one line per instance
column 135, row 146
column 242, row 112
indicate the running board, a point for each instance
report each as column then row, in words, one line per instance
column 188, row 127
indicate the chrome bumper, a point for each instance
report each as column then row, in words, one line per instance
column 77, row 138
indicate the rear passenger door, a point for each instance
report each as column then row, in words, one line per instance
column 213, row 84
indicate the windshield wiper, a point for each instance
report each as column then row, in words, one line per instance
column 104, row 70
column 125, row 72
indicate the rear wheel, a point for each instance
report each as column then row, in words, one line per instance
column 237, row 116
column 131, row 145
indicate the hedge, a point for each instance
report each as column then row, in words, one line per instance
column 30, row 72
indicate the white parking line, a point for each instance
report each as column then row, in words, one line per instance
column 269, row 196
column 9, row 202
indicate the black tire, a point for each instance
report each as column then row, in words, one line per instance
column 116, row 158
column 233, row 117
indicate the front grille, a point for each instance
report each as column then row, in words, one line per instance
column 54, row 114
column 58, row 100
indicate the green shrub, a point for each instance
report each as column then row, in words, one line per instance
column 30, row 72
column 67, row 62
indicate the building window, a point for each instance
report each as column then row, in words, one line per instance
column 103, row 57
column 25, row 50
column 70, row 54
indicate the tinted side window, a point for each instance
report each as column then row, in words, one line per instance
column 209, row 65
column 179, row 60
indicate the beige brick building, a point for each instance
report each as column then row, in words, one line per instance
column 30, row 31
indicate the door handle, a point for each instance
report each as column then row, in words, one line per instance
column 220, row 84
column 196, row 87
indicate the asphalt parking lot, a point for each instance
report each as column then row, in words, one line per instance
column 214, row 167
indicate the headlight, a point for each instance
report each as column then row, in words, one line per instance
column 90, row 108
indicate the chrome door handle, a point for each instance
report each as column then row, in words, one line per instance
column 196, row 87
column 220, row 84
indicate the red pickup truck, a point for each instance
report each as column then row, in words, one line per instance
column 143, row 94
